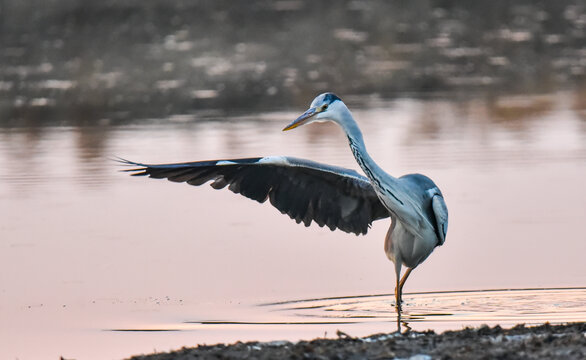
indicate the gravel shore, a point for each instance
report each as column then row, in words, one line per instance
column 520, row 342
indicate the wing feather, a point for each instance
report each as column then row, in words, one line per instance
column 307, row 191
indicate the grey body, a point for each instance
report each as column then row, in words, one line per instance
column 412, row 252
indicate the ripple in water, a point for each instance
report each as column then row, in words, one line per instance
column 365, row 315
column 442, row 310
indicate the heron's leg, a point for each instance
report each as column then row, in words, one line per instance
column 402, row 282
column 398, row 285
column 397, row 296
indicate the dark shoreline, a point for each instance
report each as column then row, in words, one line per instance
column 546, row 341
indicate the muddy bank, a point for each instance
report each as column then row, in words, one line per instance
column 520, row 342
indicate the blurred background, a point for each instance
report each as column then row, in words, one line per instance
column 488, row 98
column 78, row 62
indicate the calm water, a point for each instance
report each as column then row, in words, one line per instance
column 94, row 262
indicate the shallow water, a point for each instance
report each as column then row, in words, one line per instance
column 442, row 310
column 85, row 249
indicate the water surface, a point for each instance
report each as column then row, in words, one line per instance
column 86, row 249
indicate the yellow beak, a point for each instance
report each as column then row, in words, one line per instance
column 302, row 119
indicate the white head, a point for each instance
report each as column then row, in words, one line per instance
column 325, row 107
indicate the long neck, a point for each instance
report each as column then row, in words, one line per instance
column 356, row 142
column 377, row 176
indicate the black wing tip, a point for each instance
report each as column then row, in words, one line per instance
column 123, row 161
column 140, row 171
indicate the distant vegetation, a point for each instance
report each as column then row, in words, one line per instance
column 129, row 59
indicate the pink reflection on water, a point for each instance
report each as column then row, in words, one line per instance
column 135, row 253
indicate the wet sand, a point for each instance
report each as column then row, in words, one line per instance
column 520, row 342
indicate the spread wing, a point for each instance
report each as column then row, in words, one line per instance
column 307, row 191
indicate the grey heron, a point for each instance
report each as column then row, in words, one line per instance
column 329, row 195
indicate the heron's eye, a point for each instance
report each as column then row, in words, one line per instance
column 324, row 107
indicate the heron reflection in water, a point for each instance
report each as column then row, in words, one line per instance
column 328, row 195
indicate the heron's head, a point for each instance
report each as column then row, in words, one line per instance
column 325, row 107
